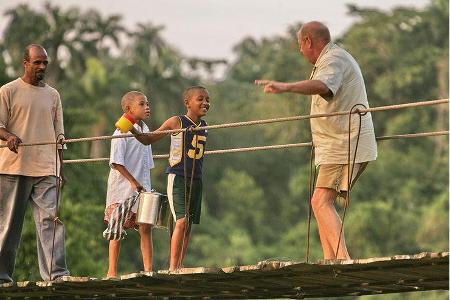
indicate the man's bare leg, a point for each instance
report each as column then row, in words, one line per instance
column 329, row 223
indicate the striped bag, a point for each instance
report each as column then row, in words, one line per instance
column 115, row 230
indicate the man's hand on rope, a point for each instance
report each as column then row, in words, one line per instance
column 13, row 142
column 273, row 87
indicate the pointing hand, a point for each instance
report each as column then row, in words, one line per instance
column 270, row 86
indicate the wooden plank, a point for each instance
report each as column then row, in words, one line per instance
column 267, row 279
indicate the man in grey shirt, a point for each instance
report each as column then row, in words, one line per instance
column 336, row 84
column 30, row 110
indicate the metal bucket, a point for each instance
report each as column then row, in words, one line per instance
column 153, row 209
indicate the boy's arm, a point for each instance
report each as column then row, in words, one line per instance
column 169, row 124
column 134, row 183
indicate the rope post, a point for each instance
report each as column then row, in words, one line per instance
column 353, row 110
column 59, row 181
column 187, row 195
column 312, row 184
column 186, row 214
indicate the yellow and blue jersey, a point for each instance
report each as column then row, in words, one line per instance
column 187, row 146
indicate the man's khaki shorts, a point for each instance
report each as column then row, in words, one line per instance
column 336, row 177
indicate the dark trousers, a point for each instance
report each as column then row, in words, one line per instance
column 15, row 193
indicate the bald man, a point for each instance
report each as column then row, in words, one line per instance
column 31, row 111
column 336, row 84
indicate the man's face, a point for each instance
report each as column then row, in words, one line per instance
column 37, row 64
column 305, row 46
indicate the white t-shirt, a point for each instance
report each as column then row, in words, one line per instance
column 339, row 71
column 137, row 158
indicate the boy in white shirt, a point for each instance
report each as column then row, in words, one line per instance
column 130, row 163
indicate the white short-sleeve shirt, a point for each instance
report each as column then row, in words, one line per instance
column 137, row 158
column 339, row 71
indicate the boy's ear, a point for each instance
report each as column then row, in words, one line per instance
column 186, row 101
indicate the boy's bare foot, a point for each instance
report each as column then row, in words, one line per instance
column 111, row 276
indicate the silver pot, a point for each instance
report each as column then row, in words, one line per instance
column 153, row 209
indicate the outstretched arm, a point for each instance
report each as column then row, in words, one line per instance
column 304, row 87
column 171, row 123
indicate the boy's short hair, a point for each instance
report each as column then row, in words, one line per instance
column 129, row 97
column 188, row 92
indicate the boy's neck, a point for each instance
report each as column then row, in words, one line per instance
column 138, row 121
column 196, row 119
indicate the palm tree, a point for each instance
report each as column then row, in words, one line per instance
column 148, row 46
column 156, row 67
column 99, row 30
column 24, row 27
column 62, row 39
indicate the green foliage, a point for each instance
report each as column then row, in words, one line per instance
column 255, row 203
column 429, row 235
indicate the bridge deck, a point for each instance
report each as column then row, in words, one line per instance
column 267, row 279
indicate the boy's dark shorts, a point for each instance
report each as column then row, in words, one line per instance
column 175, row 194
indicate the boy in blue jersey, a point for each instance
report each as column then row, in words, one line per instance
column 184, row 181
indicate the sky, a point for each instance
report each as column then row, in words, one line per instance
column 210, row 28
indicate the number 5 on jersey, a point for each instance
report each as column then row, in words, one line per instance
column 199, row 141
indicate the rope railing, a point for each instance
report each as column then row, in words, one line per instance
column 313, row 116
column 412, row 135
column 250, row 123
column 270, row 147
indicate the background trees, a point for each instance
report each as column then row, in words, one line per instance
column 255, row 204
